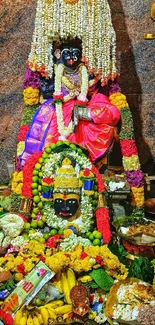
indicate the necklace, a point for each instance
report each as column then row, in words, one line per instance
column 68, row 71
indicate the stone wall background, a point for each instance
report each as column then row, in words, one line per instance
column 136, row 63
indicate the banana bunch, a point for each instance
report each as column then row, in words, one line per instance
column 25, row 317
column 68, row 281
column 53, row 310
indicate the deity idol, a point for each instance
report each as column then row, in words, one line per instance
column 75, row 110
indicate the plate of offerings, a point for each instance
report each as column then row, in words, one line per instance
column 136, row 230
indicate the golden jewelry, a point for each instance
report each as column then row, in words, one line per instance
column 71, row 2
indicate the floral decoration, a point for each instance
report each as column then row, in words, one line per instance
column 6, row 318
column 128, row 146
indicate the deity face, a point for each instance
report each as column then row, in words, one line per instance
column 66, row 206
column 71, row 56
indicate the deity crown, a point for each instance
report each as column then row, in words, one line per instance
column 66, row 178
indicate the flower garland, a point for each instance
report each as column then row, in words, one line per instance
column 80, row 259
column 102, row 213
column 55, row 161
column 17, row 182
column 130, row 160
column 58, row 20
column 31, row 100
column 65, row 131
column 28, row 174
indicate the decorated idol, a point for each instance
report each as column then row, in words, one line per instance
column 71, row 74
column 63, row 259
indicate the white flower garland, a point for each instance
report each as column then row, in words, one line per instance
column 55, row 161
column 65, row 131
column 72, row 241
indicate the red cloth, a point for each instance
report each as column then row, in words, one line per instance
column 96, row 135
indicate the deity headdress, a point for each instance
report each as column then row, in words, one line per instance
column 66, row 179
column 87, row 20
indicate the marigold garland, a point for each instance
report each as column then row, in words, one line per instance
column 31, row 96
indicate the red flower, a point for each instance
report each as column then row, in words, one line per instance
column 21, row 268
column 52, row 241
column 42, row 258
column 100, row 300
column 98, row 259
column 6, row 318
column 86, row 172
column 128, row 147
column 28, row 174
column 101, row 186
column 48, row 180
column 22, row 132
column 83, row 255
column 103, row 223
column 67, row 255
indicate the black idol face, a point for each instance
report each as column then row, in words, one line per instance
column 71, row 56
column 66, row 208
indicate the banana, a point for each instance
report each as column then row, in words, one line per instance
column 23, row 320
column 45, row 315
column 58, row 284
column 30, row 320
column 65, row 317
column 35, row 320
column 18, row 316
column 40, row 319
column 63, row 309
column 52, row 313
column 65, row 287
column 54, row 303
column 71, row 278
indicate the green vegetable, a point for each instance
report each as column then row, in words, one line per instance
column 118, row 250
column 102, row 278
column 141, row 268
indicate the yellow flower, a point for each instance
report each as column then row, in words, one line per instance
column 131, row 163
column 18, row 277
column 92, row 251
column 31, row 96
column 20, row 147
column 57, row 261
column 35, row 247
column 28, row 265
column 137, row 196
column 118, row 100
column 9, row 266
